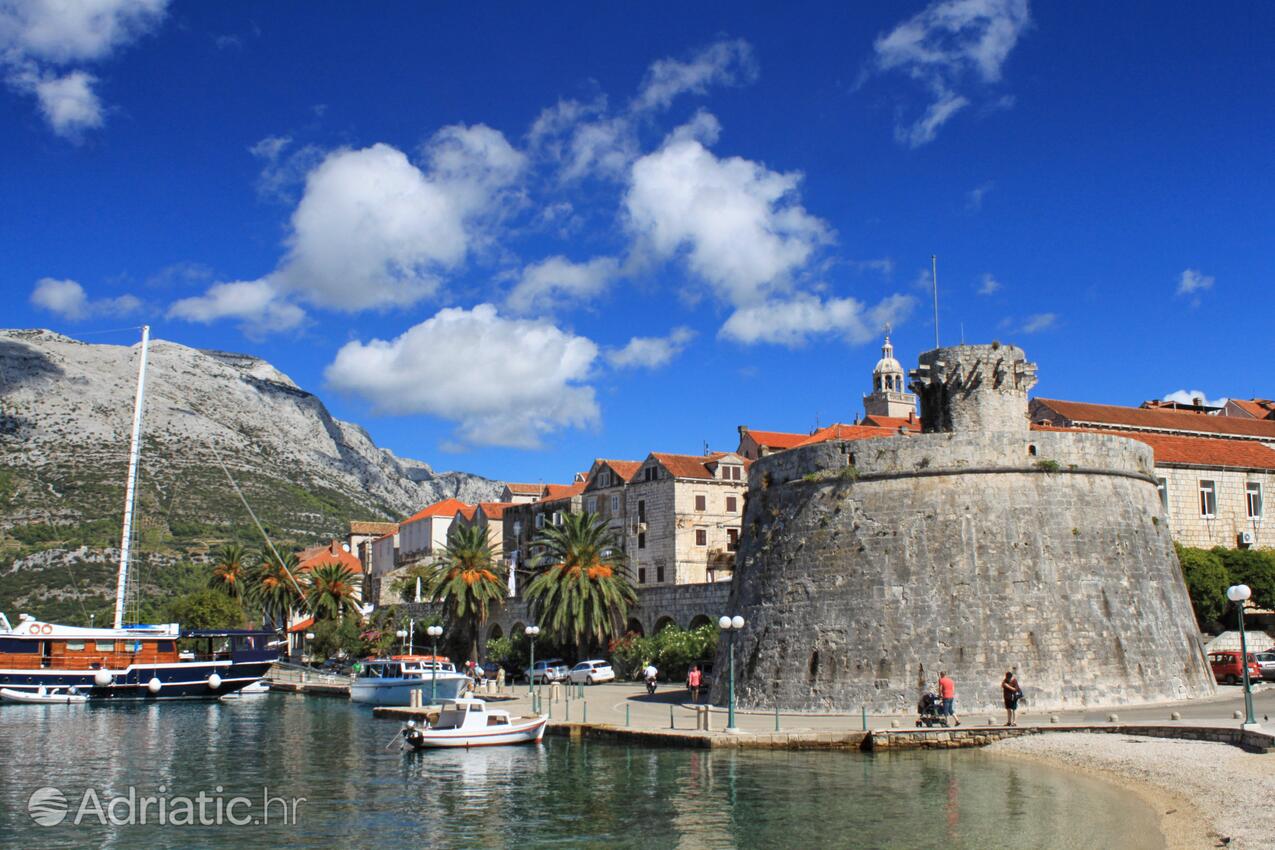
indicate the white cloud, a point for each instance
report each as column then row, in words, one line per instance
column 257, row 303
column 506, row 382
column 589, row 139
column 989, row 285
column 39, row 36
column 1038, row 322
column 728, row 62
column 69, row 104
column 1193, row 281
column 792, row 321
column 1189, row 397
column 547, row 285
column 943, row 46
column 740, row 225
column 974, row 197
column 651, row 352
column 67, row 298
column 373, row 230
column 883, row 265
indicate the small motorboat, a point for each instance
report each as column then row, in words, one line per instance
column 258, row 688
column 467, row 722
column 391, row 681
column 44, row 696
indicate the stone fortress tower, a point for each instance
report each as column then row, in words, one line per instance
column 976, row 547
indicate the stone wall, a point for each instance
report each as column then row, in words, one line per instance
column 868, row 566
column 683, row 605
column 1191, row 528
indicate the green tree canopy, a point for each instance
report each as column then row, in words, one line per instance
column 332, row 591
column 1206, row 583
column 468, row 582
column 1254, row 567
column 581, row 595
column 230, row 572
column 205, row 609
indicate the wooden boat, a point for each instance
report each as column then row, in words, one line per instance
column 469, row 723
column 130, row 662
column 44, row 696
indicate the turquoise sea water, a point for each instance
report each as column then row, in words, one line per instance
column 359, row 793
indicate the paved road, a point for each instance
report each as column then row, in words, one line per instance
column 618, row 703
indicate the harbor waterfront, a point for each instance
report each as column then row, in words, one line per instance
column 330, row 759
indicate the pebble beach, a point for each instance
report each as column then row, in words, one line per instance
column 1207, row 794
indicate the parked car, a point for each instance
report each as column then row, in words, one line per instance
column 549, row 670
column 1226, row 666
column 1266, row 660
column 591, row 673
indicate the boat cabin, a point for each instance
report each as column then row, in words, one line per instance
column 469, row 714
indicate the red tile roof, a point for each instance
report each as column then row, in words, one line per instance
column 689, row 466
column 624, row 469
column 374, row 528
column 494, row 510
column 558, row 492
column 467, row 511
column 302, row 626
column 775, row 439
column 525, row 489
column 1258, row 408
column 894, row 422
column 1191, row 451
column 847, row 432
column 1083, row 413
column 385, row 537
column 447, row 508
column 333, row 553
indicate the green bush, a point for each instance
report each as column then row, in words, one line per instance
column 1254, row 567
column 337, row 637
column 1206, row 582
column 205, row 609
column 671, row 650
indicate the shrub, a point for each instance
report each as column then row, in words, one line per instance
column 1206, row 582
column 671, row 650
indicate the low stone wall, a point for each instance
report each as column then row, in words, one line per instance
column 960, row 737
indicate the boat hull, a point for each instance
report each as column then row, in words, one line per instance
column 37, row 698
column 399, row 691
column 181, row 680
column 524, row 732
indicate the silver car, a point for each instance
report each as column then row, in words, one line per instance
column 1266, row 660
column 550, row 670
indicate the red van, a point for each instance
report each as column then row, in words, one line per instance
column 1227, row 670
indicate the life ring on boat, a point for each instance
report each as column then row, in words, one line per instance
column 46, row 629
column 35, row 628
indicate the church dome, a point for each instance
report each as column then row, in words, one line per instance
column 887, row 364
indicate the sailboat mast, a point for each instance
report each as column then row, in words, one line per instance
column 130, row 489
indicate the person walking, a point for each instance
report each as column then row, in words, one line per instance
column 1012, row 693
column 947, row 693
column 693, row 679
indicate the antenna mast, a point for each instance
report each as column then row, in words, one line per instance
column 934, row 277
column 130, row 488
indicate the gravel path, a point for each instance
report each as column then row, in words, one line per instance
column 1206, row 793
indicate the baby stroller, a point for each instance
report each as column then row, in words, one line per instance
column 930, row 709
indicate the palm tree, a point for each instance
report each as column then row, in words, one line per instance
column 467, row 580
column 230, row 573
column 332, row 591
column 582, row 594
column 273, row 587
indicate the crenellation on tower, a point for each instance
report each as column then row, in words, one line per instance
column 974, row 388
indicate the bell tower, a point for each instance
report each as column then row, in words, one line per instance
column 889, row 396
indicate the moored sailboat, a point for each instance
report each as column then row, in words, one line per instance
column 135, row 661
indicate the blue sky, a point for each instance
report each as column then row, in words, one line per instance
column 509, row 238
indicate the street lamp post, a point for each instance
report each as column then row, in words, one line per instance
column 401, row 634
column 433, row 632
column 731, row 625
column 531, row 632
column 1239, row 594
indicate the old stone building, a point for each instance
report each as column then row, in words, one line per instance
column 975, row 547
column 520, row 523
column 683, row 519
column 889, row 397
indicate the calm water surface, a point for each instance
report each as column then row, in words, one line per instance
column 358, row 793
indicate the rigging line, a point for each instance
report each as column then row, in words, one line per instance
column 109, row 331
column 256, row 521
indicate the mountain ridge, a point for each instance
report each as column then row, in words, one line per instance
column 65, row 420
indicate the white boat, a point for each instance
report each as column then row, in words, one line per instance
column 258, row 688
column 44, row 696
column 391, row 681
column 468, row 722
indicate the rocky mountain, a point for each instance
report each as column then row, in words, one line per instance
column 65, row 413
